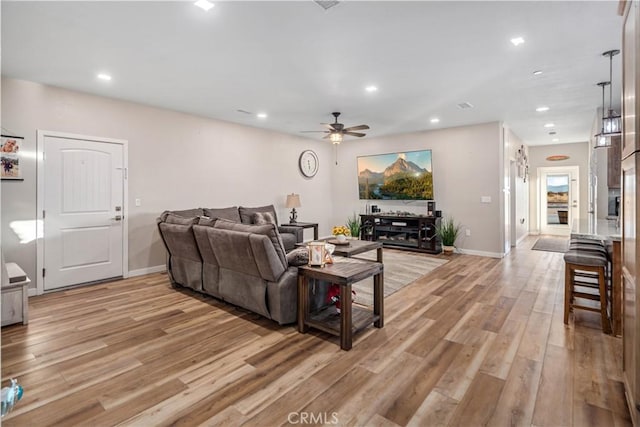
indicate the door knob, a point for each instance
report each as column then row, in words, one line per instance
column 117, row 218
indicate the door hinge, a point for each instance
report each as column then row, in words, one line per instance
column 124, row 172
column 43, row 213
column 43, row 272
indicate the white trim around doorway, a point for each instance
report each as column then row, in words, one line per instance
column 40, row 137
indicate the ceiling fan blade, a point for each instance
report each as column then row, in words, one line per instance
column 359, row 127
column 326, row 137
column 358, row 134
column 311, row 131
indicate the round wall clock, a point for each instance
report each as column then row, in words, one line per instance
column 308, row 163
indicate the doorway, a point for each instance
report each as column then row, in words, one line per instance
column 558, row 199
column 82, row 194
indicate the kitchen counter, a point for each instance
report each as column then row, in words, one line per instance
column 598, row 229
column 607, row 230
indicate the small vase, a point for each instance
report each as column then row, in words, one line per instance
column 341, row 238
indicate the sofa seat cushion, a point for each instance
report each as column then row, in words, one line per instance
column 268, row 230
column 206, row 221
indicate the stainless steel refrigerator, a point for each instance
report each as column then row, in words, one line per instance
column 631, row 206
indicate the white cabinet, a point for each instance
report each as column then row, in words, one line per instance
column 14, row 298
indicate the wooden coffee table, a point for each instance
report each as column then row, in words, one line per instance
column 343, row 272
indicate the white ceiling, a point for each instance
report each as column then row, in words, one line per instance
column 298, row 62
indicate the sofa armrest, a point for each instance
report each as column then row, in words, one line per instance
column 296, row 231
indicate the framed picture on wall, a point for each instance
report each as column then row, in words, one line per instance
column 11, row 156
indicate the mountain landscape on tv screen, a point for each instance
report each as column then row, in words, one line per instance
column 401, row 180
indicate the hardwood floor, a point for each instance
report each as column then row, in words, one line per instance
column 478, row 341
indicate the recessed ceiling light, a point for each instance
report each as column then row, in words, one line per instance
column 105, row 77
column 262, row 115
column 537, row 72
column 555, row 140
column 371, row 88
column 517, row 41
column 542, row 109
column 435, row 120
column 204, row 4
column 549, row 125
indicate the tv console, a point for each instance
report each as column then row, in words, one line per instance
column 411, row 232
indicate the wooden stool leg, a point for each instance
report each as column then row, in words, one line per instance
column 568, row 285
column 602, row 281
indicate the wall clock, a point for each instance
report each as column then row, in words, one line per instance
column 308, row 163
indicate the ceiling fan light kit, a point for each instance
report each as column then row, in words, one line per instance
column 612, row 122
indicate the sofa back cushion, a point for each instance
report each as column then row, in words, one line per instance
column 203, row 240
column 172, row 218
column 230, row 213
column 186, row 213
column 180, row 240
column 252, row 254
column 269, row 230
column 246, row 214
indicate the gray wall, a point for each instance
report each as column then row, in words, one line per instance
column 179, row 161
column 175, row 161
column 466, row 166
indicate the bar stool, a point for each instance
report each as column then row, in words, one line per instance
column 586, row 265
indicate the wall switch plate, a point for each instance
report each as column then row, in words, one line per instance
column 468, row 232
column 485, row 199
column 138, row 202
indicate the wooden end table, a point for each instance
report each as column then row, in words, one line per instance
column 304, row 225
column 344, row 272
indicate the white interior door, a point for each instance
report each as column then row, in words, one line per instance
column 83, row 210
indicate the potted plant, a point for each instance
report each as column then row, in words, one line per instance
column 341, row 232
column 353, row 223
column 448, row 231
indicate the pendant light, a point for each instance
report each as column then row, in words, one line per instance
column 611, row 122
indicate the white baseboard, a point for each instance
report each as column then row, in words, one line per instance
column 148, row 270
column 32, row 292
column 480, row 253
column 524, row 236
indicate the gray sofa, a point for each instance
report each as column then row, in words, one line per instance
column 222, row 253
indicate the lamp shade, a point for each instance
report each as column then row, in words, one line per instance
column 336, row 138
column 293, row 201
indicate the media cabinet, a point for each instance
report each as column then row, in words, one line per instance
column 402, row 231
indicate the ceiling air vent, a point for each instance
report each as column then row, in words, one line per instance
column 326, row 4
column 465, row 105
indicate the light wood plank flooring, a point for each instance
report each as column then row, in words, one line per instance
column 478, row 341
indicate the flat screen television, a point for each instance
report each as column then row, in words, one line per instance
column 405, row 175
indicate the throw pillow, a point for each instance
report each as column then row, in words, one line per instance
column 262, row 218
column 298, row 257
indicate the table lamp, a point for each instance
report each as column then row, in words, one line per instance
column 293, row 202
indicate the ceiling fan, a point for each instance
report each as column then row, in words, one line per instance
column 337, row 130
